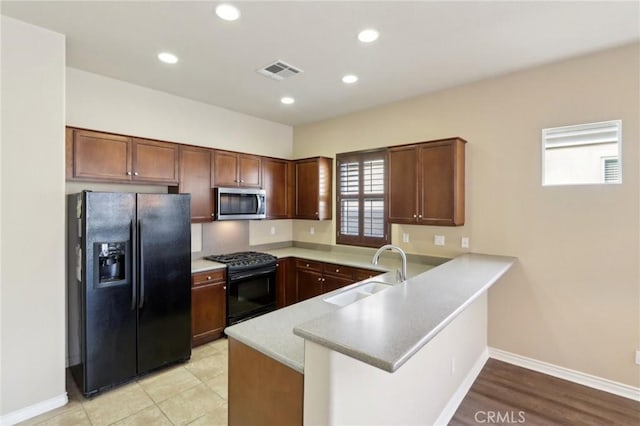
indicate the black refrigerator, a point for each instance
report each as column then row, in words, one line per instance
column 129, row 285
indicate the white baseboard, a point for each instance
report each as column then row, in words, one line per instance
column 456, row 399
column 33, row 410
column 574, row 376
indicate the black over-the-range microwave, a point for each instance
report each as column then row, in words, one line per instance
column 239, row 203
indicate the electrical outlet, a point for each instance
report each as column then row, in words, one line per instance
column 312, row 230
column 272, row 231
column 405, row 237
column 438, row 240
column 638, row 357
column 464, row 242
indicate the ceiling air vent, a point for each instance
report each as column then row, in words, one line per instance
column 279, row 70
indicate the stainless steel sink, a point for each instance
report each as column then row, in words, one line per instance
column 360, row 292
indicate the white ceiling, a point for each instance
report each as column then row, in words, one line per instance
column 423, row 46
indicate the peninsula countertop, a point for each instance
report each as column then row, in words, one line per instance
column 407, row 315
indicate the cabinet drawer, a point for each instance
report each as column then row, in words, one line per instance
column 217, row 275
column 338, row 270
column 363, row 274
column 309, row 264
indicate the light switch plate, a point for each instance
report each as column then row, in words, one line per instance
column 405, row 237
column 464, row 242
column 312, row 230
column 272, row 231
column 438, row 240
column 638, row 357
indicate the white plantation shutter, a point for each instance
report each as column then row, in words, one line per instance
column 361, row 198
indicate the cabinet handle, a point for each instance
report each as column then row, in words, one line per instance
column 241, row 180
column 307, row 265
column 319, row 278
column 235, row 180
column 213, row 214
column 316, row 213
column 414, row 216
column 323, row 280
column 135, row 173
column 128, row 173
column 209, row 277
column 224, row 287
column 420, row 216
column 337, row 270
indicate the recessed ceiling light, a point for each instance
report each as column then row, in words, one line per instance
column 168, row 58
column 227, row 12
column 367, row 36
column 287, row 100
column 349, row 79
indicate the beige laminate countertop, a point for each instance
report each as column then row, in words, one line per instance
column 413, row 311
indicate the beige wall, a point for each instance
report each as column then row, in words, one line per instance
column 33, row 221
column 573, row 298
column 102, row 103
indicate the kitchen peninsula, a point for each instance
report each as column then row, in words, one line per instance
column 414, row 346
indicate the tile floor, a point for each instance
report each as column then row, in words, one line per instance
column 192, row 393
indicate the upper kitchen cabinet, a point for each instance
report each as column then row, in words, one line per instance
column 276, row 181
column 235, row 169
column 97, row 156
column 426, row 183
column 155, row 161
column 195, row 179
column 313, row 188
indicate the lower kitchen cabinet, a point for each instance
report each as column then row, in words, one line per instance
column 308, row 284
column 208, row 305
column 315, row 278
column 286, row 293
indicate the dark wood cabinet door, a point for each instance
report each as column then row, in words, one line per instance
column 154, row 161
column 195, row 179
column 275, row 182
column 332, row 282
column 225, row 169
column 313, row 188
column 403, row 182
column 208, row 308
column 308, row 284
column 442, row 183
column 363, row 274
column 101, row 156
column 285, row 283
column 249, row 170
column 306, row 190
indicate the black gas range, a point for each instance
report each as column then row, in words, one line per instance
column 251, row 284
column 244, row 260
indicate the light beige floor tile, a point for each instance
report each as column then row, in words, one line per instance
column 220, row 385
column 191, row 404
column 149, row 416
column 220, row 344
column 209, row 367
column 168, row 383
column 204, row 351
column 76, row 417
column 116, row 404
column 217, row 417
column 68, row 409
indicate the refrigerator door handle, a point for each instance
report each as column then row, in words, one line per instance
column 141, row 258
column 134, row 269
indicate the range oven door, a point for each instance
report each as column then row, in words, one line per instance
column 250, row 293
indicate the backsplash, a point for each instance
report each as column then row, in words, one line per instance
column 219, row 237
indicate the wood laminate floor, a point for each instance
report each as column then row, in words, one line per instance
column 506, row 394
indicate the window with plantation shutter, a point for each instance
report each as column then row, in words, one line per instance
column 361, row 197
